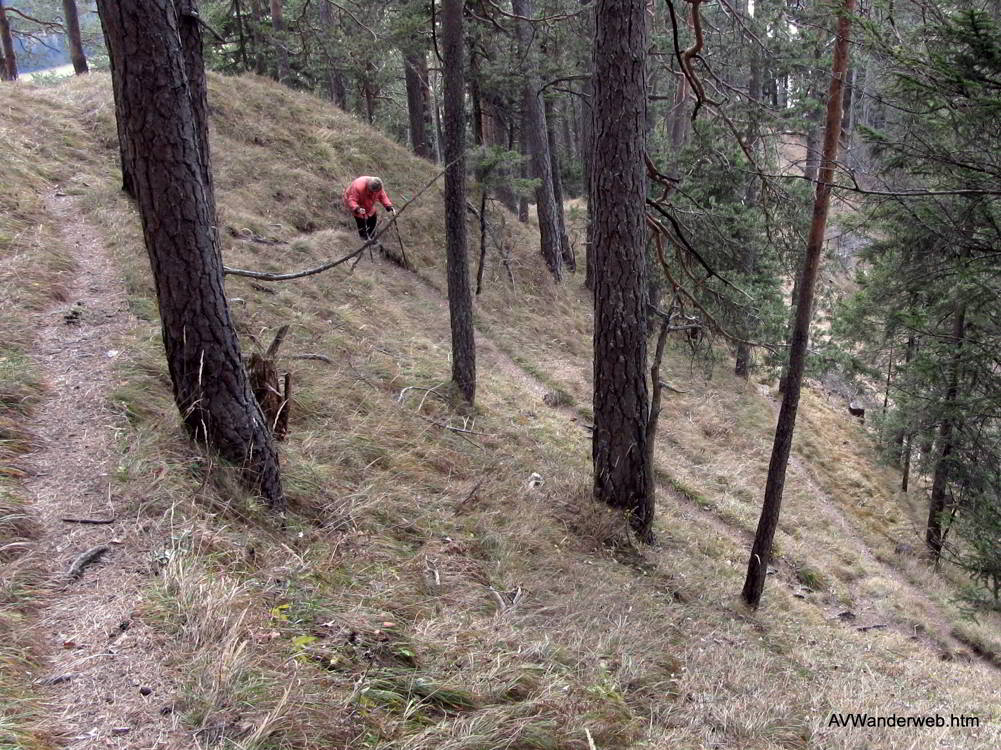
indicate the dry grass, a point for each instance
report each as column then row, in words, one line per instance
column 422, row 595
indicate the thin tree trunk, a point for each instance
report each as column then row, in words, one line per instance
column 554, row 166
column 749, row 249
column 9, row 71
column 257, row 35
column 281, row 50
column 587, row 150
column 460, row 303
column 526, row 171
column 241, row 34
column 622, row 477
column 335, row 80
column 159, row 87
column 415, row 66
column 761, row 552
column 906, row 469
column 72, row 26
column 534, row 122
column 936, row 506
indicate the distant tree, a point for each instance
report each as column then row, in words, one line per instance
column 8, row 71
column 761, row 551
column 622, row 473
column 416, row 74
column 71, row 23
column 460, row 302
column 537, row 141
column 155, row 48
column 281, row 48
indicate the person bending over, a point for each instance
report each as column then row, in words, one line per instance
column 360, row 199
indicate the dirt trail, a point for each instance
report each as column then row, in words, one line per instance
column 104, row 682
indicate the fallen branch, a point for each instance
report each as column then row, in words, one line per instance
column 89, row 557
column 318, row 357
column 88, row 520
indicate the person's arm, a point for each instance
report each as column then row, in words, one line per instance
column 351, row 201
column 383, row 198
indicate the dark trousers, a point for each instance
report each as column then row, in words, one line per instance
column 366, row 226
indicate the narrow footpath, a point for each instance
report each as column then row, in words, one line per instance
column 104, row 683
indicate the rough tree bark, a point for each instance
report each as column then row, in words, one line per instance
column 761, row 551
column 587, row 150
column 534, row 123
column 72, row 26
column 460, row 301
column 174, row 192
column 940, row 480
column 8, row 71
column 621, row 395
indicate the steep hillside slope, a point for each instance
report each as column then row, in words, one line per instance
column 425, row 592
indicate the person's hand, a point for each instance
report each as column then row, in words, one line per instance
column 391, row 209
column 360, row 212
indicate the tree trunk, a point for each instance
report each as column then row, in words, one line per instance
column 905, row 474
column 538, row 145
column 415, row 66
column 936, row 506
column 621, row 398
column 258, row 37
column 761, row 552
column 174, row 192
column 9, row 70
column 72, row 26
column 124, row 141
column 335, row 80
column 554, row 166
column 587, row 157
column 281, row 50
column 241, row 34
column 749, row 249
column 460, row 302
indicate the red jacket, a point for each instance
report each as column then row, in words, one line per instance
column 358, row 194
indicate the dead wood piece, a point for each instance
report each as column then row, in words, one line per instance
column 96, row 521
column 89, row 557
column 267, row 391
column 864, row 628
column 262, row 288
column 318, row 357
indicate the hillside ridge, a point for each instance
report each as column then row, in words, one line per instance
column 424, row 593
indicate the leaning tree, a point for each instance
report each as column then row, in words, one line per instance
column 160, row 103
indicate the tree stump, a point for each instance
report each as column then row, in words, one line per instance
column 273, row 399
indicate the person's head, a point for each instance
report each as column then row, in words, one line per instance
column 374, row 184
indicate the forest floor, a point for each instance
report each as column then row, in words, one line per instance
column 425, row 591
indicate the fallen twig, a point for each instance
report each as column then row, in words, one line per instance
column 87, row 558
column 470, row 495
column 318, row 357
column 88, row 520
